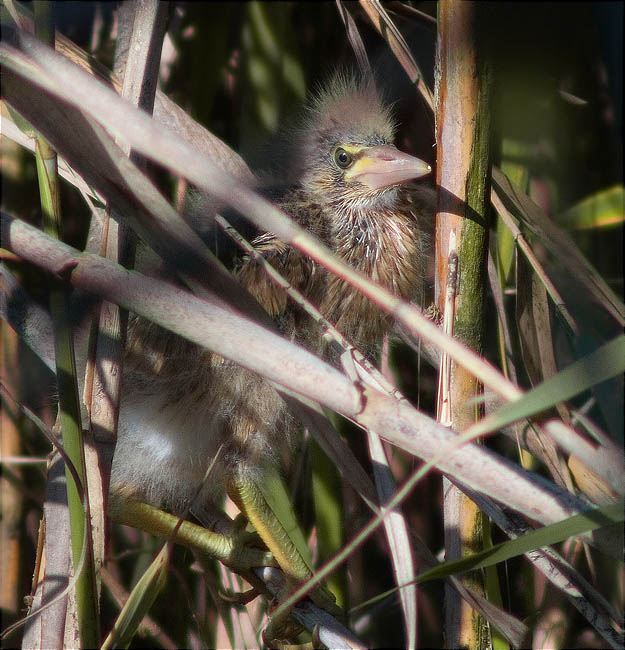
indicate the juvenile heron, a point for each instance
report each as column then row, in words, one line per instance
column 181, row 404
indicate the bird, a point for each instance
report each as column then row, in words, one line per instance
column 345, row 182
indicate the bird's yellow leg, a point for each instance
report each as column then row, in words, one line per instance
column 231, row 549
column 282, row 535
column 249, row 497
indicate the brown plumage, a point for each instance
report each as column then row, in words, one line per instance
column 180, row 403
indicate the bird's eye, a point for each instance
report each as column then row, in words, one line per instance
column 342, row 158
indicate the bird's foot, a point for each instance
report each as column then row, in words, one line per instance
column 246, row 549
column 282, row 623
column 281, row 630
column 286, row 541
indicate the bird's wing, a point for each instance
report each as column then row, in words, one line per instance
column 295, row 268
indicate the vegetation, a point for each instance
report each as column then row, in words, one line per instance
column 514, row 395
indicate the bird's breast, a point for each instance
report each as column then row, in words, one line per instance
column 386, row 247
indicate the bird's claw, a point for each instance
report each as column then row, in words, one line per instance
column 280, row 631
column 284, row 626
column 238, row 598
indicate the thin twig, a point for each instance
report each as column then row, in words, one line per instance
column 388, row 30
column 406, row 11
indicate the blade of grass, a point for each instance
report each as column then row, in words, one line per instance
column 602, row 364
column 139, row 601
column 524, row 544
column 546, row 536
column 397, row 534
column 354, row 38
column 559, row 244
column 584, row 597
column 148, row 626
column 506, row 219
column 388, row 30
column 328, row 505
column 69, row 407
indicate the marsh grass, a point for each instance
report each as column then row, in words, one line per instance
column 553, row 349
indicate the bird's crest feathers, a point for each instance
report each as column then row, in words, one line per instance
column 351, row 104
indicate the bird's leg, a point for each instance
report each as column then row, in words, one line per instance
column 231, row 548
column 257, row 497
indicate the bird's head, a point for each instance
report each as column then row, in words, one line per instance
column 346, row 151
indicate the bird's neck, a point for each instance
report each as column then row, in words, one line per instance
column 384, row 245
column 367, row 234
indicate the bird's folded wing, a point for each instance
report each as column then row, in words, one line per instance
column 295, row 268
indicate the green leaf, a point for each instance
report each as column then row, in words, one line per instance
column 23, row 125
column 605, row 209
column 546, row 536
column 604, row 363
column 493, row 590
column 327, row 493
column 514, row 165
column 139, row 602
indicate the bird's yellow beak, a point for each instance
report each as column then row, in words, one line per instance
column 385, row 165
